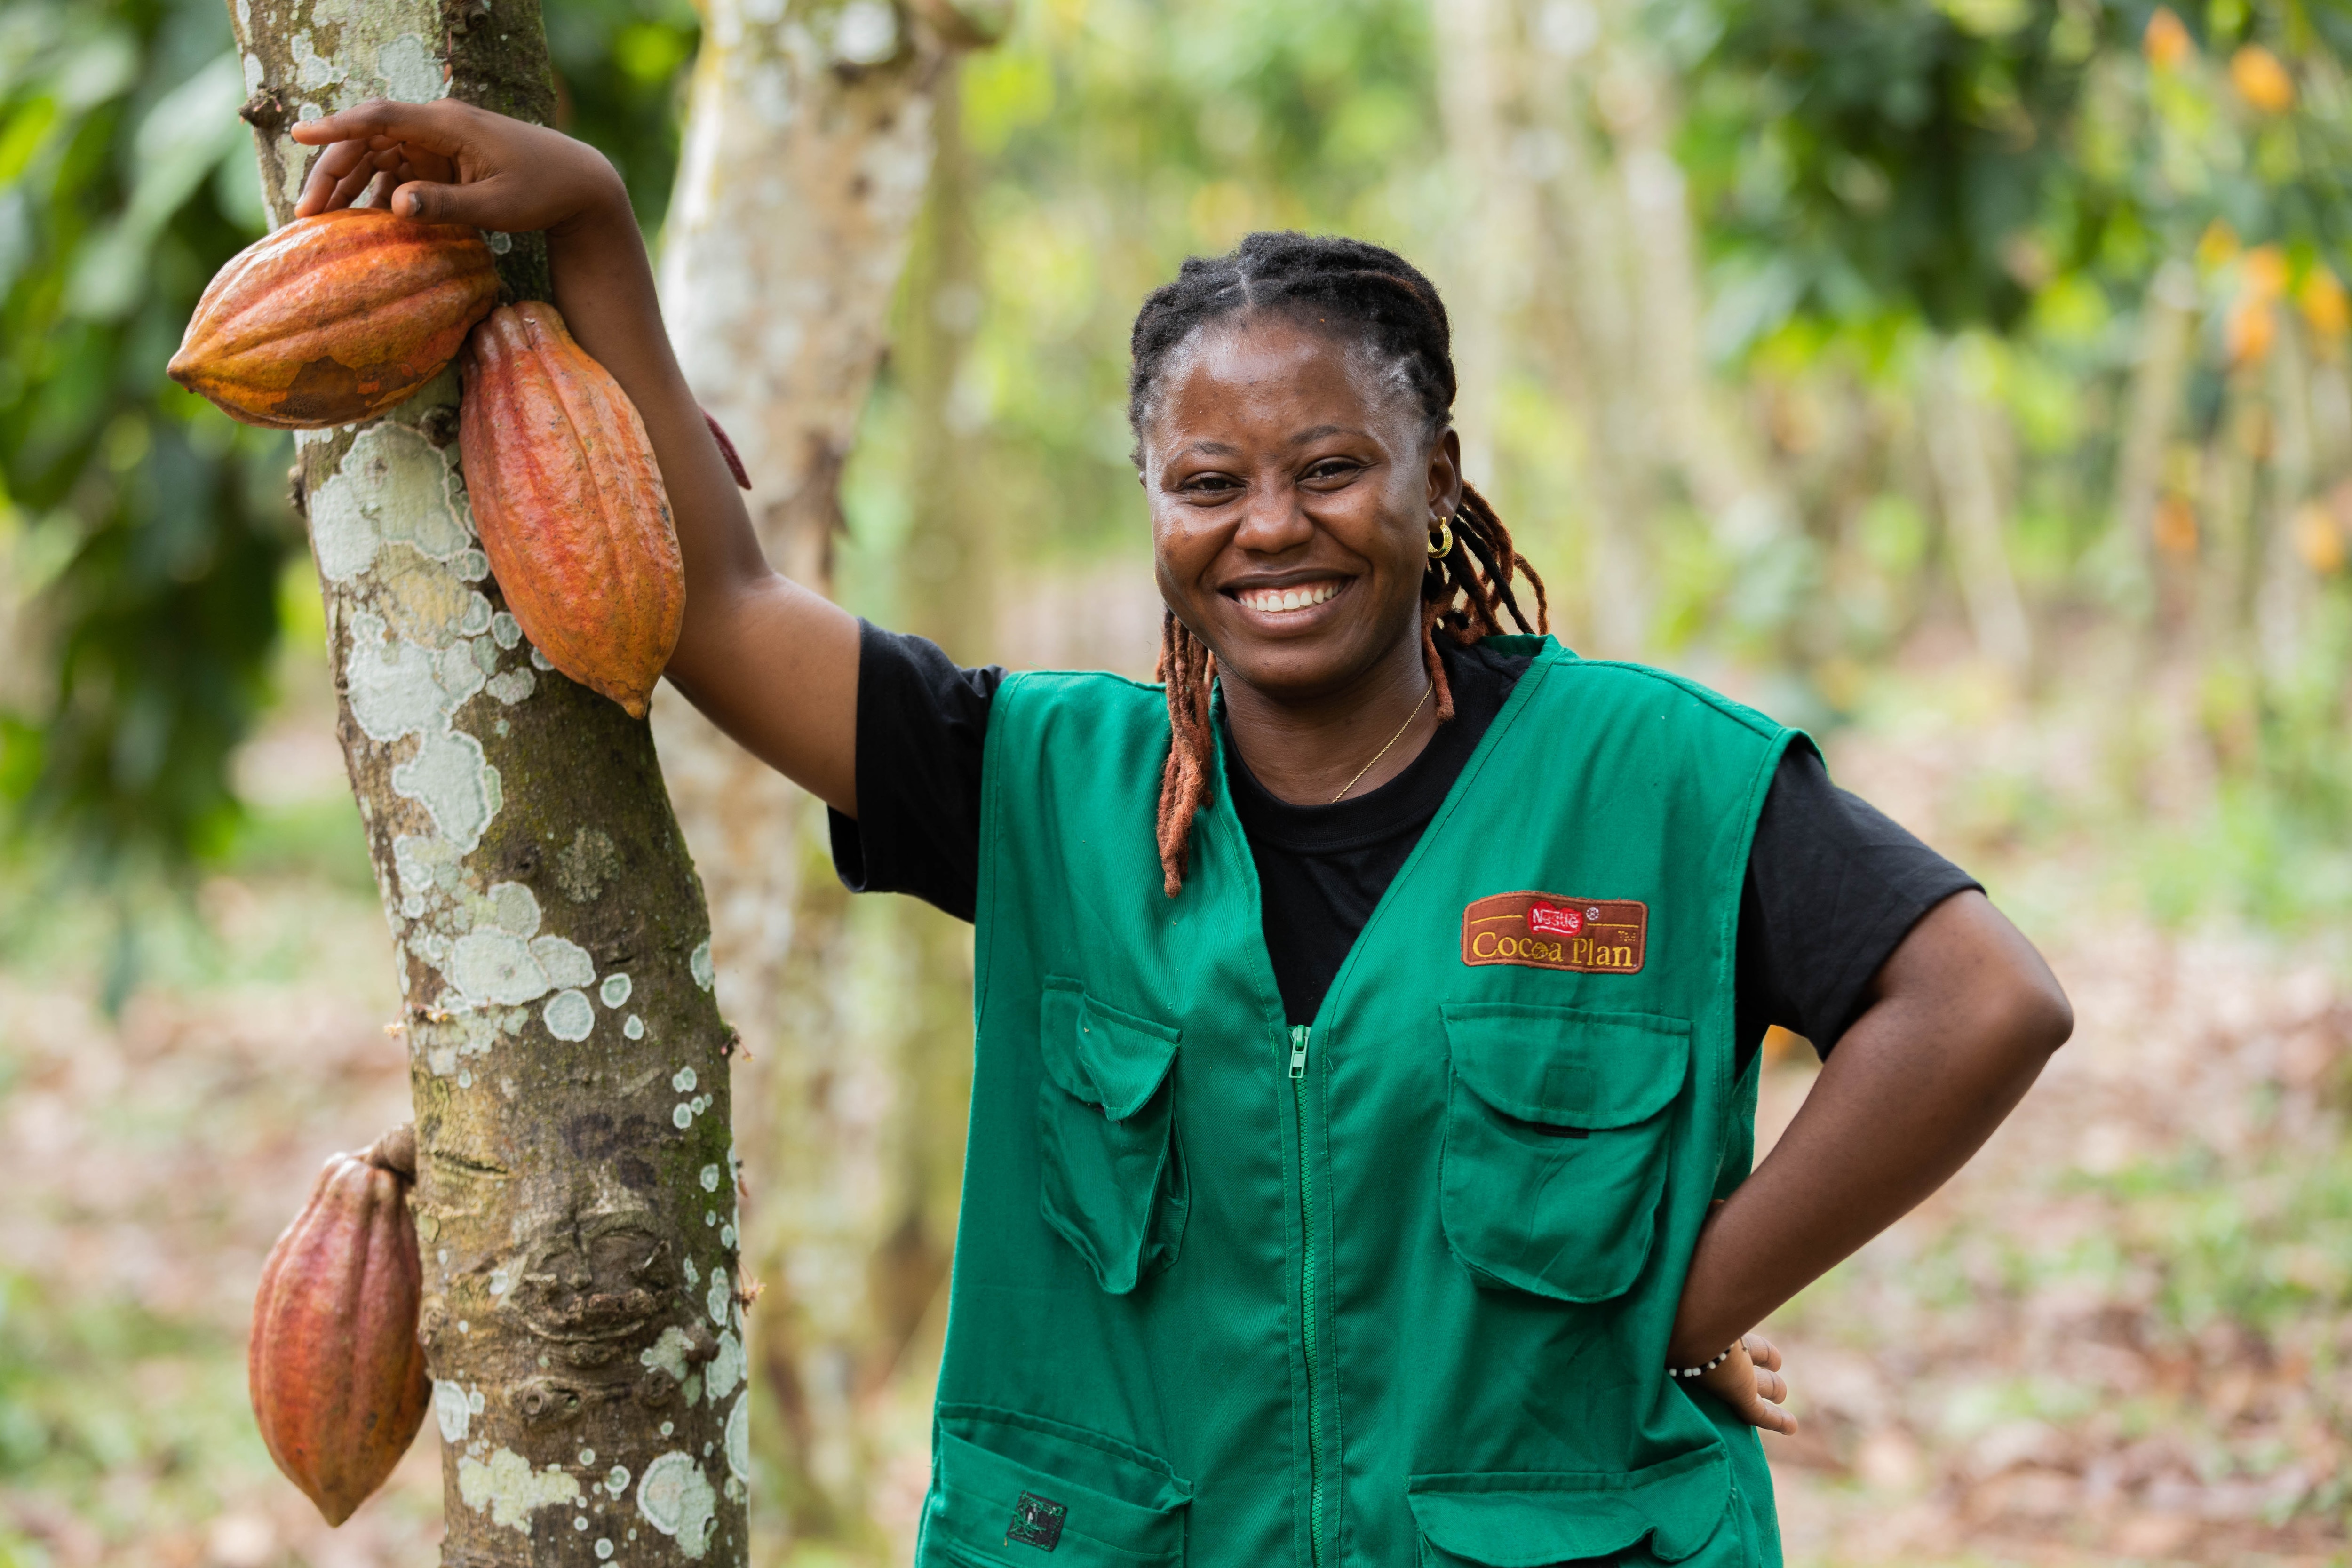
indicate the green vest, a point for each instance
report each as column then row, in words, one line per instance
column 1396, row 1289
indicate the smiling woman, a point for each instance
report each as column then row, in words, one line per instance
column 1365, row 1016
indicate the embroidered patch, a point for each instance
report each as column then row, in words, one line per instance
column 1037, row 1521
column 1549, row 931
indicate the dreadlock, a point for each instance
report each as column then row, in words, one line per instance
column 1380, row 300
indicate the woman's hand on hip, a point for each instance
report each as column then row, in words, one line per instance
column 1750, row 1381
column 447, row 162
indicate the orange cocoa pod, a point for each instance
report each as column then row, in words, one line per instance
column 335, row 1370
column 569, row 504
column 334, row 318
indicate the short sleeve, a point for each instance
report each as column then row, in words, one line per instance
column 922, row 727
column 1833, row 886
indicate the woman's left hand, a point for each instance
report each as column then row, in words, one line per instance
column 1750, row 1381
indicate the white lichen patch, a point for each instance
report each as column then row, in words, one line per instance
column 511, row 1490
column 682, row 1117
column 698, row 964
column 683, row 1081
column 452, row 1410
column 570, row 1016
column 514, row 909
column 669, row 1352
column 719, row 1300
column 495, row 966
column 726, row 1369
column 738, row 1438
column 511, row 686
column 617, row 1479
column 410, row 73
column 634, row 1028
column 693, row 1275
column 453, row 780
column 710, row 1178
column 677, row 1499
column 616, row 990
column 392, row 484
column 505, row 631
column 567, row 963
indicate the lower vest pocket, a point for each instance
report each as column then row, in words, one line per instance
column 1036, row 1494
column 1112, row 1170
column 1678, row 1511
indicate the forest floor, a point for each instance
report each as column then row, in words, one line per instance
column 2118, row 1337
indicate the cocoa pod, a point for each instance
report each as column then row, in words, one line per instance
column 334, row 1368
column 727, row 450
column 569, row 504
column 334, row 318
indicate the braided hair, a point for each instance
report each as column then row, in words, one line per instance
column 1380, row 302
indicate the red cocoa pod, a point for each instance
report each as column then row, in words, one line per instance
column 335, row 1370
column 727, row 450
column 569, row 504
column 334, row 318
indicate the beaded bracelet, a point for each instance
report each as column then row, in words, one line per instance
column 1703, row 1371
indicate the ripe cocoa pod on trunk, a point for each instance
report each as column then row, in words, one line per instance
column 335, row 317
column 570, row 503
column 335, row 1370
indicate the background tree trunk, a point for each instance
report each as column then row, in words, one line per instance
column 575, row 1196
column 809, row 147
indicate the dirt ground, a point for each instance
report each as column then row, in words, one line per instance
column 2117, row 1338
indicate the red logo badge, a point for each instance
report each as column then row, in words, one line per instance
column 1550, row 922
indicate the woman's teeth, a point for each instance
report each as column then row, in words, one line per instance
column 1277, row 599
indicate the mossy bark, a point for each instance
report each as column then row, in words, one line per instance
column 576, row 1180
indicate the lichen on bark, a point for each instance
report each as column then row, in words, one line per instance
column 575, row 1199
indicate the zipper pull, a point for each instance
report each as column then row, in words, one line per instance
column 1298, row 1033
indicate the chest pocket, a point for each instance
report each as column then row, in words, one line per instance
column 1556, row 1143
column 1114, row 1182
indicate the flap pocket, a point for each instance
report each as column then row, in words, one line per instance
column 1019, row 1489
column 1111, row 1170
column 1104, row 1057
column 1565, row 1067
column 1531, row 1518
column 1556, row 1140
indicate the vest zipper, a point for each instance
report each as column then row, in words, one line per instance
column 1299, row 1036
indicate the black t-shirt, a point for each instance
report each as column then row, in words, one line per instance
column 1832, row 885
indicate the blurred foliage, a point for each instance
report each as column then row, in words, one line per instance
column 150, row 525
column 620, row 73
column 145, row 529
column 1956, row 159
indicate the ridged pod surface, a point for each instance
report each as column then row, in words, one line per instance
column 334, row 318
column 335, row 1370
column 570, row 503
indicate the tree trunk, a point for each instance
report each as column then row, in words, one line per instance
column 809, row 146
column 575, row 1193
column 1960, row 454
column 2168, row 327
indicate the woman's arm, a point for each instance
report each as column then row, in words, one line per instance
column 1964, row 1013
column 774, row 664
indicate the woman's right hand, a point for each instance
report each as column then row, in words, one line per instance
column 448, row 162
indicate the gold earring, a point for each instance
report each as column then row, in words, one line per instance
column 1441, row 543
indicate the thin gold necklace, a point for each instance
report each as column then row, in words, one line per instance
column 1393, row 741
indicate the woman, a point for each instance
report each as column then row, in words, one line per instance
column 1367, row 1022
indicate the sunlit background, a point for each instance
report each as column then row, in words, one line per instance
column 1966, row 380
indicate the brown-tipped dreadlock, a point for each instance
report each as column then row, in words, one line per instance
column 1378, row 298
column 1189, row 669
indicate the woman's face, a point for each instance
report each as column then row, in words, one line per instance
column 1293, row 493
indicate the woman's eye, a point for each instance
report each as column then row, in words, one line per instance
column 1331, row 468
column 1210, row 484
